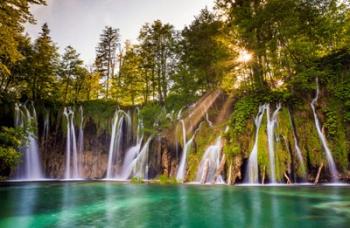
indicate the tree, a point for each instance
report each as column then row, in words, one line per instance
column 202, row 53
column 106, row 56
column 131, row 83
column 10, row 140
column 45, row 65
column 282, row 35
column 157, row 42
column 70, row 69
column 13, row 14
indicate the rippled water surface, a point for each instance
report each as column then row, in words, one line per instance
column 110, row 204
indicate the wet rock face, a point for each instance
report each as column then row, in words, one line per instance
column 163, row 159
column 92, row 162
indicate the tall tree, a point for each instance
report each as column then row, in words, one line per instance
column 106, row 56
column 202, row 53
column 157, row 46
column 45, row 66
column 131, row 81
column 70, row 70
column 13, row 14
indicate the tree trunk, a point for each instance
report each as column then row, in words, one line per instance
column 229, row 178
column 318, row 174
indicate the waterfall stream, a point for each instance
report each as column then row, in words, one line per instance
column 30, row 168
column 132, row 154
column 331, row 164
column 296, row 146
column 81, row 132
column 72, row 163
column 180, row 175
column 252, row 174
column 271, row 125
column 140, row 163
column 115, row 147
column 210, row 163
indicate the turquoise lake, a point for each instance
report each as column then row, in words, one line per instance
column 112, row 204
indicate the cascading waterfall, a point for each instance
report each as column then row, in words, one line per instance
column 210, row 163
column 81, row 132
column 72, row 163
column 180, row 175
column 252, row 174
column 30, row 168
column 81, row 139
column 271, row 125
column 132, row 153
column 46, row 126
column 128, row 163
column 331, row 164
column 296, row 146
column 115, row 147
column 140, row 163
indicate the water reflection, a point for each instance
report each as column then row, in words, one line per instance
column 66, row 215
column 125, row 205
column 28, row 198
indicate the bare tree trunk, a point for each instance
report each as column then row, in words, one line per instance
column 229, row 178
column 318, row 174
column 288, row 180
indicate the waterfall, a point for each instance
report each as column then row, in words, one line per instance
column 30, row 168
column 46, row 126
column 115, row 147
column 271, row 125
column 296, row 146
column 128, row 163
column 140, row 163
column 72, row 164
column 81, row 139
column 81, row 132
column 331, row 164
column 132, row 153
column 210, row 163
column 180, row 175
column 252, row 174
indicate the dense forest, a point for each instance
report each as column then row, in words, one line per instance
column 252, row 53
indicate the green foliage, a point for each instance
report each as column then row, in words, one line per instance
column 167, row 180
column 101, row 113
column 11, row 137
column 71, row 68
column 154, row 117
column 331, row 121
column 201, row 54
column 157, row 44
column 105, row 58
column 175, row 102
column 243, row 111
column 10, row 140
column 9, row 158
column 13, row 14
column 136, row 180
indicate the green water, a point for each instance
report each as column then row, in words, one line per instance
column 108, row 204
